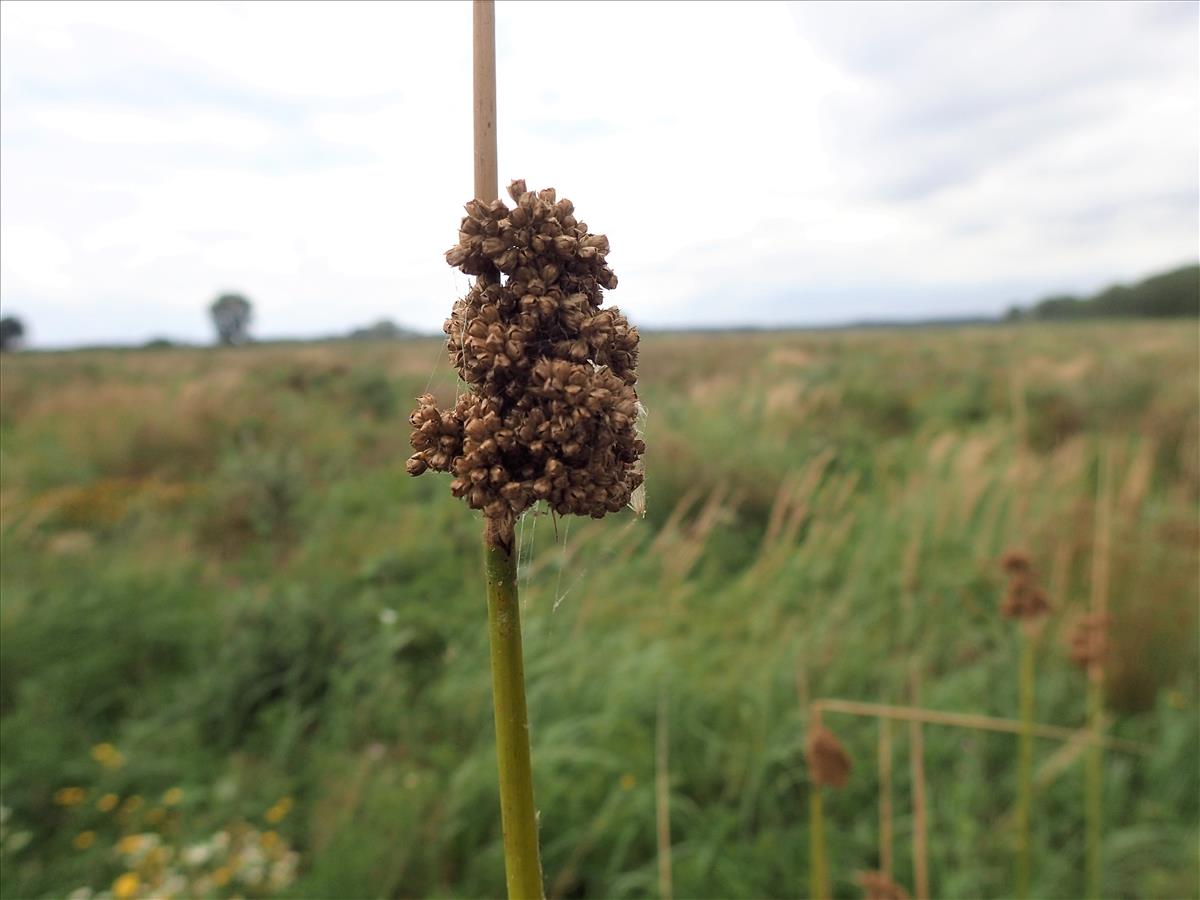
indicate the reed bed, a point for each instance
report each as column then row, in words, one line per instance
column 331, row 653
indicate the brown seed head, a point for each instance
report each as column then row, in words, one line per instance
column 1024, row 599
column 551, row 413
column 1088, row 640
column 879, row 886
column 828, row 761
column 1016, row 562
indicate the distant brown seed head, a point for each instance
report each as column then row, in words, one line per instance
column 551, row 413
column 879, row 886
column 828, row 761
column 1088, row 640
column 1016, row 562
column 1024, row 599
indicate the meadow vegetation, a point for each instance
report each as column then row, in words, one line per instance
column 227, row 610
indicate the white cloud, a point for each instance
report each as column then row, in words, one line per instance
column 35, row 259
column 749, row 161
column 117, row 126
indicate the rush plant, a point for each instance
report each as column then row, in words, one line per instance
column 1025, row 602
column 1089, row 650
column 549, row 414
column 829, row 765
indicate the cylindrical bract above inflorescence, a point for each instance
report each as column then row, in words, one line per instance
column 552, row 410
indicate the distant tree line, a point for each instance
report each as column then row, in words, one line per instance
column 383, row 330
column 232, row 314
column 1173, row 294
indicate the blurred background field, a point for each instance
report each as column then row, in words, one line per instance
column 244, row 653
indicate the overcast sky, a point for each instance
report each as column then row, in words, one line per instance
column 751, row 163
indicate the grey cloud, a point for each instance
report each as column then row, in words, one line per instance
column 925, row 157
column 957, row 158
column 957, row 87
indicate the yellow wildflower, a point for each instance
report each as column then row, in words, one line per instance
column 69, row 796
column 108, row 756
column 84, row 839
column 108, row 803
column 221, row 876
column 269, row 839
column 126, row 886
column 129, row 844
column 172, row 796
column 281, row 808
column 132, row 804
column 627, row 782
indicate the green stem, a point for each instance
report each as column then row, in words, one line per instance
column 517, row 813
column 1094, row 788
column 1025, row 765
column 818, row 871
column 1094, row 774
column 886, row 864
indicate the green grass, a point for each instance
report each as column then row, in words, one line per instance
column 214, row 560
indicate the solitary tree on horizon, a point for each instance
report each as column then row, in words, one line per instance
column 11, row 332
column 231, row 314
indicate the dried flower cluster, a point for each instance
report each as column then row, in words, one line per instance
column 1088, row 642
column 880, row 886
column 827, row 759
column 552, row 411
column 1024, row 600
